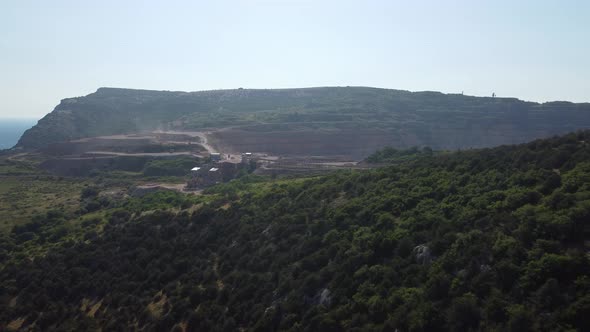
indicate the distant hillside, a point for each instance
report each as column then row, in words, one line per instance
column 324, row 120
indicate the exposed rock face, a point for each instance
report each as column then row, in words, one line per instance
column 325, row 298
column 267, row 230
column 422, row 254
column 484, row 268
column 322, row 297
column 354, row 121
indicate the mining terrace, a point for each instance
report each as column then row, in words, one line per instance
column 213, row 151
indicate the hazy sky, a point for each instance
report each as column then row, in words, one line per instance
column 49, row 50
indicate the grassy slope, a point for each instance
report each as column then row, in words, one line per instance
column 25, row 191
column 22, row 197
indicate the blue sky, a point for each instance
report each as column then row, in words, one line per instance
column 50, row 50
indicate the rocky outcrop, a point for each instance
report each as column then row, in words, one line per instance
column 422, row 254
column 325, row 297
column 322, row 297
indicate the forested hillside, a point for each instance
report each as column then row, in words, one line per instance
column 493, row 240
column 338, row 119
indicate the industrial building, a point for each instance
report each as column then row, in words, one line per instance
column 208, row 175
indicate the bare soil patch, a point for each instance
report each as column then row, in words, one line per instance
column 347, row 143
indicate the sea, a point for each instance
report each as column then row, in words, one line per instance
column 12, row 129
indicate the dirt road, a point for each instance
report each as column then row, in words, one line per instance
column 149, row 154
